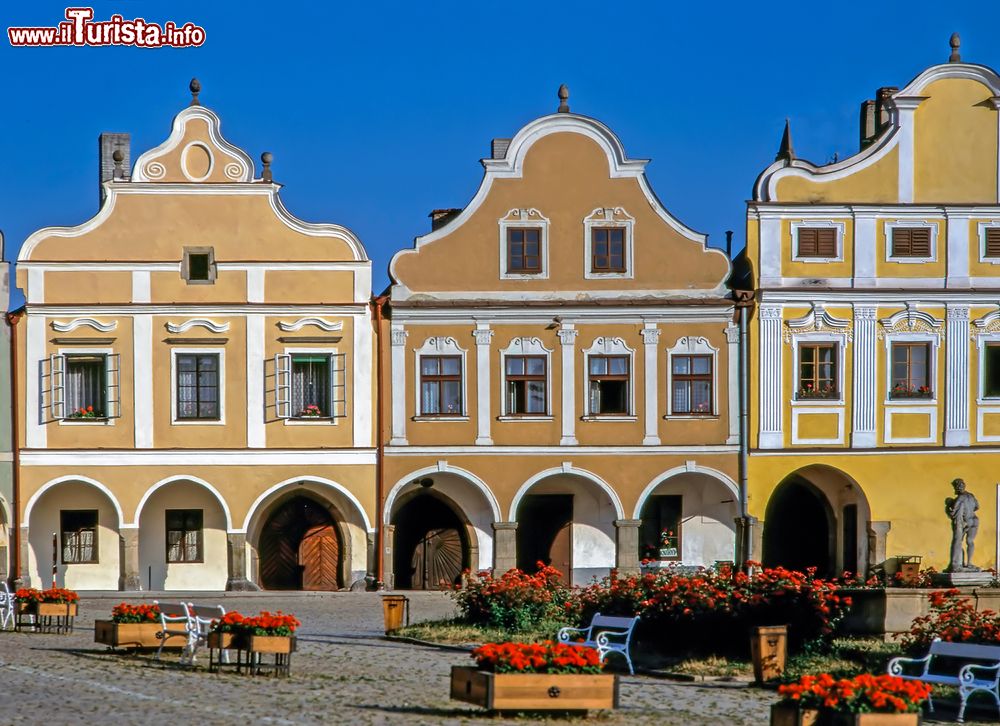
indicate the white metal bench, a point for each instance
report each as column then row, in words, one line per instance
column 7, row 605
column 606, row 634
column 981, row 675
column 190, row 621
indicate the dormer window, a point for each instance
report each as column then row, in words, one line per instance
column 524, row 245
column 198, row 266
column 607, row 239
column 607, row 249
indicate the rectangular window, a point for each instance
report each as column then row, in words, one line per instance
column 911, row 375
column 817, row 371
column 607, row 246
column 526, row 381
column 911, row 242
column 991, row 370
column 662, row 519
column 524, row 253
column 198, row 386
column 691, row 378
column 440, row 385
column 184, row 535
column 198, row 265
column 817, row 242
column 609, row 382
column 311, row 386
column 86, row 386
column 992, row 248
column 79, row 536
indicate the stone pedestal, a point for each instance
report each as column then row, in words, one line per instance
column 128, row 560
column 504, row 547
column 962, row 579
column 236, row 559
column 627, row 546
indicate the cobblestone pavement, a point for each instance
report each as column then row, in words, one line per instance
column 344, row 672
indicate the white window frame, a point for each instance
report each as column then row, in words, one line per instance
column 604, row 346
column 934, row 340
column 985, row 405
column 609, row 217
column 292, row 420
column 838, row 339
column 525, row 346
column 692, row 345
column 435, row 346
column 529, row 218
column 109, row 420
column 981, row 231
column 810, row 224
column 180, row 350
column 891, row 224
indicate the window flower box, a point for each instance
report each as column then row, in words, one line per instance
column 900, row 391
column 808, row 393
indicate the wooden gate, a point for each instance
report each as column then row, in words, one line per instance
column 437, row 560
column 300, row 548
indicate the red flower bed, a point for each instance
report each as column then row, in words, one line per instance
column 515, row 600
column 53, row 594
column 862, row 694
column 711, row 611
column 264, row 624
column 953, row 618
column 125, row 613
column 546, row 657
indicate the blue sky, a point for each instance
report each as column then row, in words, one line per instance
column 379, row 112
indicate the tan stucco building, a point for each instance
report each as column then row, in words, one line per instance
column 560, row 373
column 196, row 405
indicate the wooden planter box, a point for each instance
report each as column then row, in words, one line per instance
column 283, row 644
column 49, row 609
column 133, row 635
column 791, row 714
column 533, row 691
column 875, row 719
column 222, row 641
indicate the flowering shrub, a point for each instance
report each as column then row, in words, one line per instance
column 53, row 594
column 515, row 600
column 125, row 613
column 712, row 610
column 808, row 392
column 264, row 624
column 955, row 619
column 901, row 390
column 862, row 694
column 547, row 657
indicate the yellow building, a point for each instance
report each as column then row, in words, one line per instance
column 876, row 341
column 559, row 373
column 196, row 405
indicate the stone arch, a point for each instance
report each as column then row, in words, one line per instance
column 582, row 473
column 185, row 477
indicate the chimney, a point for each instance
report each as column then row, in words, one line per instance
column 441, row 217
column 882, row 97
column 498, row 148
column 107, row 144
column 867, row 123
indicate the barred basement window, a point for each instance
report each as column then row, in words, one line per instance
column 184, row 535
column 817, row 242
column 911, row 242
column 79, row 536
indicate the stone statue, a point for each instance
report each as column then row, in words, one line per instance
column 964, row 525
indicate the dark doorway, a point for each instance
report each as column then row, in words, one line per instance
column 798, row 529
column 660, row 531
column 431, row 545
column 545, row 533
column 300, row 548
column 850, row 538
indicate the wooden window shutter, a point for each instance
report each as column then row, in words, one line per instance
column 808, row 242
column 992, row 242
column 826, row 242
column 911, row 242
column 901, row 242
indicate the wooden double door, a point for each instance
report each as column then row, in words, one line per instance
column 430, row 546
column 300, row 548
column 545, row 533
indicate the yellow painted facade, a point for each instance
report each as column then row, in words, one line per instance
column 900, row 306
column 171, row 350
column 571, row 480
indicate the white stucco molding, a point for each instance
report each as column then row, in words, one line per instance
column 327, row 325
column 566, row 468
column 340, row 488
column 688, row 468
column 81, row 322
column 184, row 478
column 441, row 468
column 73, row 478
column 209, row 325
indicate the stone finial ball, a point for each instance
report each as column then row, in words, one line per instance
column 195, row 85
column 563, row 92
column 118, row 156
column 267, row 157
column 955, row 40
